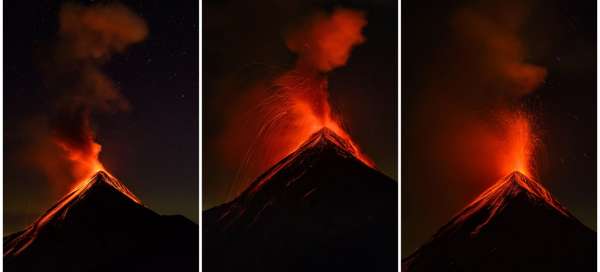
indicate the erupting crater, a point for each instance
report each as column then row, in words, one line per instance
column 100, row 225
column 320, row 194
column 323, row 139
column 99, row 183
column 515, row 185
column 516, row 223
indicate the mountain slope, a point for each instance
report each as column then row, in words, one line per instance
column 516, row 225
column 102, row 226
column 319, row 209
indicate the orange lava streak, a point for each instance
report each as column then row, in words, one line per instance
column 61, row 208
column 80, row 189
column 355, row 150
column 492, row 201
column 307, row 108
column 315, row 124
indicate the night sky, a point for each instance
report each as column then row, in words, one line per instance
column 152, row 148
column 558, row 35
column 243, row 43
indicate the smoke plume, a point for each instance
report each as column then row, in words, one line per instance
column 495, row 51
column 323, row 41
column 472, row 120
column 87, row 38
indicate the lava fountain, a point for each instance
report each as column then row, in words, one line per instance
column 323, row 42
column 295, row 104
column 300, row 107
column 520, row 144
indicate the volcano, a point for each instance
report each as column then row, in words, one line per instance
column 516, row 225
column 318, row 209
column 102, row 226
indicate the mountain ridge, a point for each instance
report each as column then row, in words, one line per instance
column 516, row 224
column 319, row 141
column 507, row 188
column 60, row 209
column 101, row 226
column 318, row 209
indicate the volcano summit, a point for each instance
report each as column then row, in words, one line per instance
column 318, row 209
column 102, row 226
column 515, row 225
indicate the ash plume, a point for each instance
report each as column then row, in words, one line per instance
column 87, row 38
column 324, row 41
column 489, row 37
column 471, row 106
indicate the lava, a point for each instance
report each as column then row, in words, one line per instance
column 324, row 135
column 306, row 105
column 292, row 106
column 61, row 208
column 519, row 143
column 494, row 199
column 322, row 43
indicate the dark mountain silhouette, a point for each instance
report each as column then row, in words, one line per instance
column 101, row 226
column 516, row 225
column 319, row 209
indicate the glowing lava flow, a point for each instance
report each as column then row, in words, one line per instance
column 491, row 202
column 81, row 189
column 61, row 209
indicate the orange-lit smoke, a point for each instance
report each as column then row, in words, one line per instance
column 472, row 123
column 495, row 50
column 84, row 160
column 285, row 111
column 87, row 38
column 324, row 41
